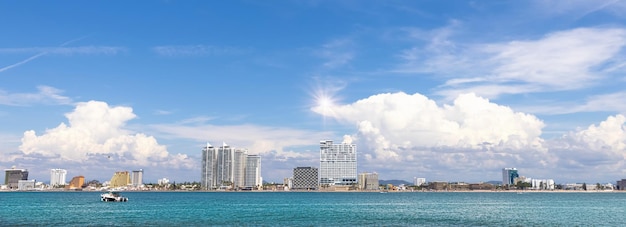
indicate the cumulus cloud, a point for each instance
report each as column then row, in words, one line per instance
column 598, row 144
column 408, row 135
column 96, row 131
column 398, row 125
column 596, row 150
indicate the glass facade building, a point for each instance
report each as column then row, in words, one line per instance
column 13, row 176
column 136, row 179
column 509, row 175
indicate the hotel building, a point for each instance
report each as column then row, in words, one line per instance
column 253, row 172
column 120, row 179
column 13, row 176
column 76, row 183
column 225, row 167
column 508, row 176
column 136, row 179
column 305, row 178
column 419, row 181
column 337, row 163
column 57, row 177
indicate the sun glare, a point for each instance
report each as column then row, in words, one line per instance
column 324, row 102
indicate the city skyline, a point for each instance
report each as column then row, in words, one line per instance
column 447, row 92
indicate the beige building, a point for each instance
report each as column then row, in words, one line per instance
column 120, row 179
column 76, row 183
column 368, row 181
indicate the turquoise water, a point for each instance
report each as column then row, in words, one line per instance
column 314, row 209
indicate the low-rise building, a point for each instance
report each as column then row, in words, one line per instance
column 25, row 185
column 368, row 181
column 621, row 184
column 438, row 185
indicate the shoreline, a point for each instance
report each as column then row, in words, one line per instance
column 324, row 191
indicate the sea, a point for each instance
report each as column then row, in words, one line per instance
column 314, row 209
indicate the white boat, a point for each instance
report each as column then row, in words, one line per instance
column 112, row 197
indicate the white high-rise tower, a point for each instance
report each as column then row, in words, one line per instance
column 57, row 177
column 337, row 163
column 229, row 168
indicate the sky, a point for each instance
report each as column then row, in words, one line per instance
column 445, row 90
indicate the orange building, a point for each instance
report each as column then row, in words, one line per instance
column 76, row 183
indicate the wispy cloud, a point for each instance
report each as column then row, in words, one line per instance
column 45, row 95
column 197, row 50
column 611, row 102
column 336, row 53
column 256, row 138
column 163, row 112
column 559, row 61
column 81, row 50
column 22, row 62
column 579, row 8
column 67, row 51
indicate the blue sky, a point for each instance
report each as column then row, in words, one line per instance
column 450, row 91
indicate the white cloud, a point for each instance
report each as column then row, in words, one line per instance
column 395, row 125
column 559, row 61
column 336, row 53
column 612, row 102
column 196, row 50
column 80, row 50
column 46, row 95
column 41, row 51
column 579, row 8
column 595, row 150
column 409, row 135
column 265, row 140
column 97, row 132
column 8, row 144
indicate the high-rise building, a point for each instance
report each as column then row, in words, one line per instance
column 136, row 179
column 621, row 184
column 57, row 177
column 209, row 160
column 305, row 178
column 509, row 175
column 225, row 167
column 239, row 168
column 368, row 181
column 120, row 179
column 76, row 183
column 13, row 176
column 253, row 172
column 419, row 181
column 337, row 163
